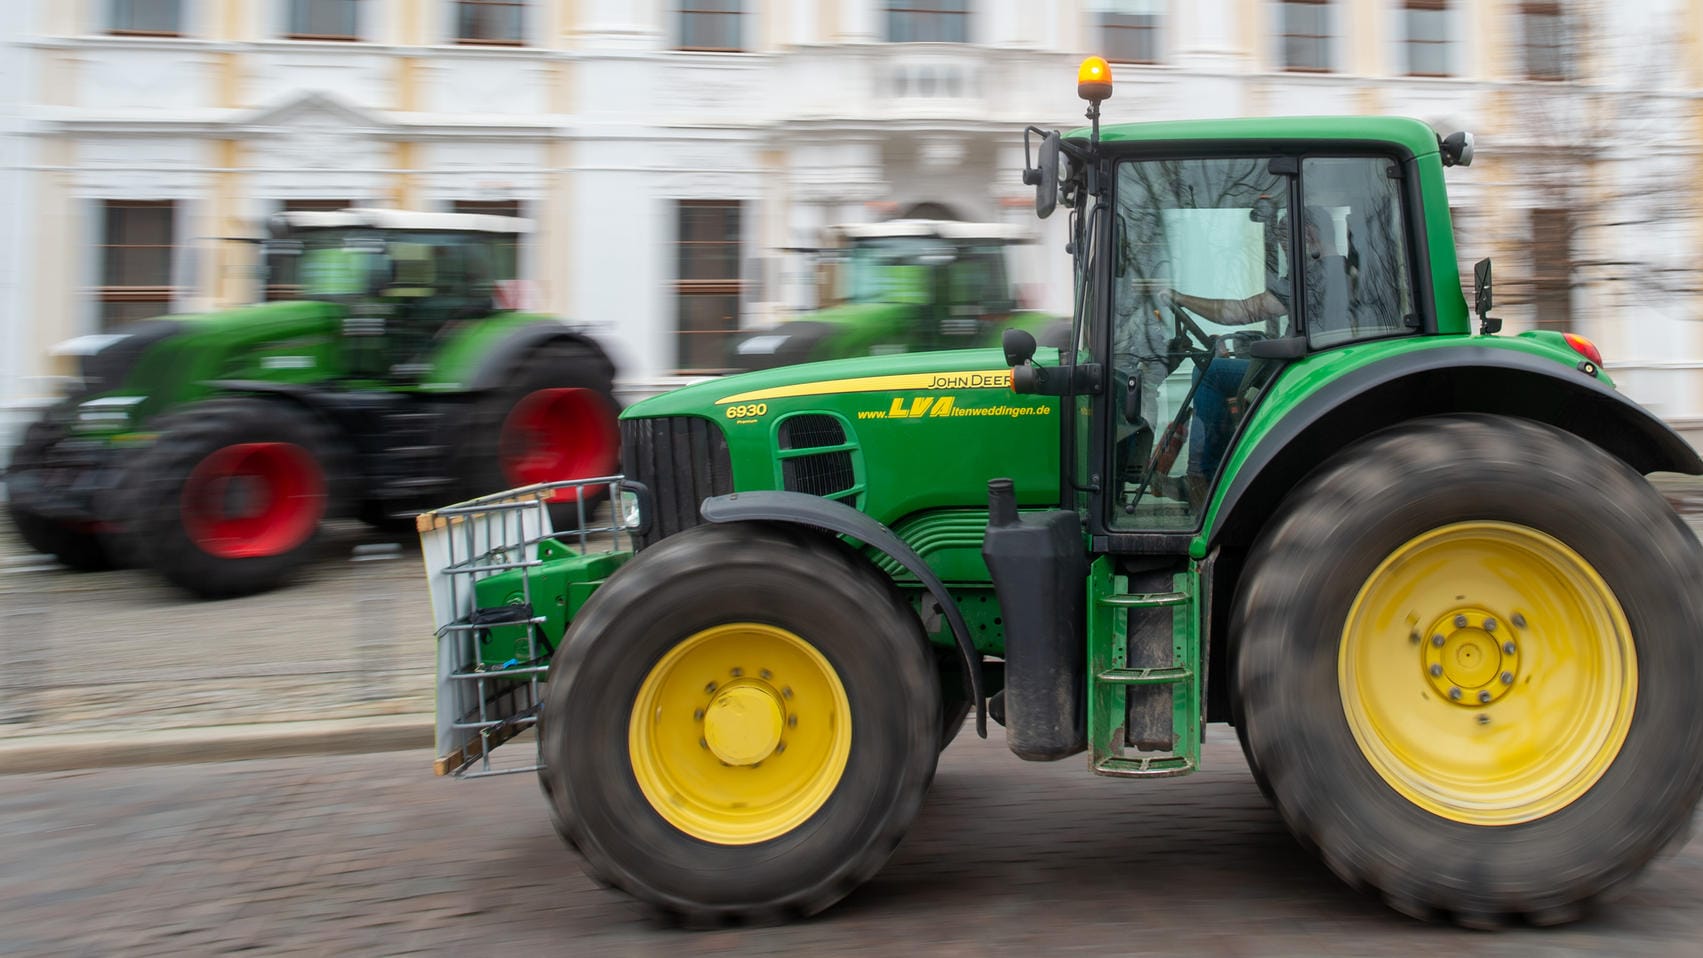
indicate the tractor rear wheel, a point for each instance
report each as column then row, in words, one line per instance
column 554, row 418
column 1468, row 669
column 78, row 545
column 229, row 499
column 741, row 724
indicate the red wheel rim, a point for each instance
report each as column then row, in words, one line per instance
column 253, row 499
column 557, row 434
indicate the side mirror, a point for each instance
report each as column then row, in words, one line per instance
column 1043, row 176
column 1481, row 298
column 1019, row 347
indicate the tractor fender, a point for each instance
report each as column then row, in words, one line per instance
column 804, row 509
column 1449, row 379
column 501, row 357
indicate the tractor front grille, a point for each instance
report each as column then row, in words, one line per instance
column 822, row 474
column 682, row 460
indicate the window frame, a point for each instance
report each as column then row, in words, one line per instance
column 685, row 288
column 304, row 7
column 928, row 8
column 520, row 38
column 113, row 16
column 164, row 293
column 1409, row 7
column 685, row 15
column 1151, row 34
column 1325, row 40
column 1557, row 11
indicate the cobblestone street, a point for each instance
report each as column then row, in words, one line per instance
column 369, row 855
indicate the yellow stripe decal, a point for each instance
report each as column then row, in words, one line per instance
column 973, row 379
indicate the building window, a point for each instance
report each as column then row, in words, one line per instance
column 493, row 22
column 1552, row 269
column 324, row 20
column 708, row 287
column 146, row 18
column 136, row 258
column 1306, row 36
column 283, row 269
column 506, row 250
column 928, row 21
column 711, row 25
column 1543, row 28
column 1129, row 30
column 1427, row 41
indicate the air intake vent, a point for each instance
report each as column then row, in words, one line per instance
column 811, row 431
column 682, row 460
column 820, row 475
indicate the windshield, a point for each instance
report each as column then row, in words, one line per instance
column 901, row 269
column 339, row 264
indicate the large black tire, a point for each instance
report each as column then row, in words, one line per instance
column 721, row 575
column 1573, row 843
column 281, row 456
column 80, row 546
column 567, row 385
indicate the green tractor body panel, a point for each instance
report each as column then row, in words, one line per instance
column 922, row 431
column 458, row 362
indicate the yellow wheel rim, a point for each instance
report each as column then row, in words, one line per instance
column 1487, row 673
column 740, row 733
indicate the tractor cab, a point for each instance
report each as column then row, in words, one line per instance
column 405, row 278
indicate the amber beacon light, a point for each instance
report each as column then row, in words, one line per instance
column 1094, row 80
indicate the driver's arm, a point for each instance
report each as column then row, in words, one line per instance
column 1232, row 312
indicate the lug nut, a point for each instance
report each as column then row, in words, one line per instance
column 709, row 688
column 1484, row 696
column 1436, row 670
column 1509, row 648
column 1507, row 678
column 1454, row 695
column 1437, row 640
column 697, row 715
column 1483, row 719
column 1519, row 621
column 786, row 691
column 792, row 721
column 780, row 747
column 1489, row 625
column 738, row 672
column 1413, row 637
column 1460, row 621
column 703, row 744
column 765, row 674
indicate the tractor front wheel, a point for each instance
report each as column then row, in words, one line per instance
column 741, row 724
column 229, row 498
column 78, row 545
column 1468, row 668
column 553, row 419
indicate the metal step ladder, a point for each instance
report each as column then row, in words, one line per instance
column 1146, row 687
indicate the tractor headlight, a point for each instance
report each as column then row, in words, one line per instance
column 631, row 508
column 632, row 515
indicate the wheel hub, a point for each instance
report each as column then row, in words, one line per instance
column 1468, row 659
column 743, row 723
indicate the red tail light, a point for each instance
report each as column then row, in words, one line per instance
column 1583, row 347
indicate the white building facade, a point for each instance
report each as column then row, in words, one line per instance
column 672, row 152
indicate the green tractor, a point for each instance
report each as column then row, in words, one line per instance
column 212, row 447
column 1275, row 480
column 902, row 286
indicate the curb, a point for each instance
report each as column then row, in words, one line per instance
column 230, row 743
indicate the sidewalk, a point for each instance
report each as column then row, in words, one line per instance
column 118, row 668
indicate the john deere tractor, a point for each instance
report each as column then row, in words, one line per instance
column 213, row 447
column 1275, row 479
column 903, row 286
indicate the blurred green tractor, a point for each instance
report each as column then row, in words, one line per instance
column 904, row 286
column 213, row 447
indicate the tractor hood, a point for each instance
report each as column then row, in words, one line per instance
column 852, row 329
